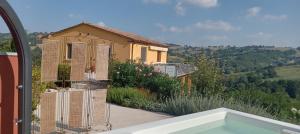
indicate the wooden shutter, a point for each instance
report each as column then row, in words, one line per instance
column 50, row 61
column 78, row 62
column 102, row 58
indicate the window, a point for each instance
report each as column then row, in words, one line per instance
column 158, row 56
column 69, row 51
column 143, row 54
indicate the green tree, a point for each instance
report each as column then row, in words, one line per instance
column 37, row 87
column 36, row 55
column 7, row 45
column 208, row 77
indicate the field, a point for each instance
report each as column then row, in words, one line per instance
column 288, row 72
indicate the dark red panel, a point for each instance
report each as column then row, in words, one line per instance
column 8, row 94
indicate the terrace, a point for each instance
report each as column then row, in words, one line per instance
column 78, row 104
column 218, row 121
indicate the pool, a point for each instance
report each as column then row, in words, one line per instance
column 227, row 127
column 218, row 121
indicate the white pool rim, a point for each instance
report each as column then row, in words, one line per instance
column 175, row 124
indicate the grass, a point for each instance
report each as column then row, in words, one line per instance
column 288, row 73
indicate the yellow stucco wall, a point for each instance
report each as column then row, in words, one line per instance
column 151, row 54
column 121, row 46
column 164, row 56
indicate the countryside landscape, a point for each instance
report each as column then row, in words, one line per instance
column 169, row 67
column 263, row 77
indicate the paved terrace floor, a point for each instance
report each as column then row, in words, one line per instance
column 121, row 117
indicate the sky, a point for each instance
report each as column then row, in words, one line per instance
column 185, row 22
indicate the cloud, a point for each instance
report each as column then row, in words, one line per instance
column 176, row 29
column 172, row 29
column 217, row 37
column 180, row 7
column 261, row 35
column 216, row 25
column 275, row 17
column 101, row 24
column 254, row 11
column 180, row 10
column 75, row 16
column 208, row 25
column 162, row 27
column 156, row 1
column 202, row 3
column 28, row 7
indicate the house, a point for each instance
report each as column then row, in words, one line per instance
column 124, row 46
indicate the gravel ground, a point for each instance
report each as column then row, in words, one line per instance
column 121, row 117
column 124, row 117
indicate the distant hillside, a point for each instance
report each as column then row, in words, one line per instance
column 238, row 59
column 33, row 38
column 5, row 36
column 173, row 45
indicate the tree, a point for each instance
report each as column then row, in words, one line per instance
column 38, row 88
column 7, row 45
column 207, row 79
column 36, row 55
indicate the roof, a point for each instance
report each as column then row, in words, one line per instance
column 134, row 37
column 175, row 69
column 185, row 69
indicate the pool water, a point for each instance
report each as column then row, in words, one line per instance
column 227, row 127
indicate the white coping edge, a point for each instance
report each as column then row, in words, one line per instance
column 182, row 122
column 8, row 54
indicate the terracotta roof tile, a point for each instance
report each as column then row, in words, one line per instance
column 134, row 37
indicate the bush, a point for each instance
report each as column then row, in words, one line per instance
column 130, row 74
column 163, row 86
column 131, row 97
column 179, row 105
column 64, row 72
column 183, row 105
column 124, row 75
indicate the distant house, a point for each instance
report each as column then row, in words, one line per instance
column 123, row 45
column 180, row 71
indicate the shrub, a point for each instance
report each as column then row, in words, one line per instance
column 131, row 97
column 163, row 86
column 130, row 74
column 64, row 72
column 182, row 105
column 124, row 75
column 277, row 101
